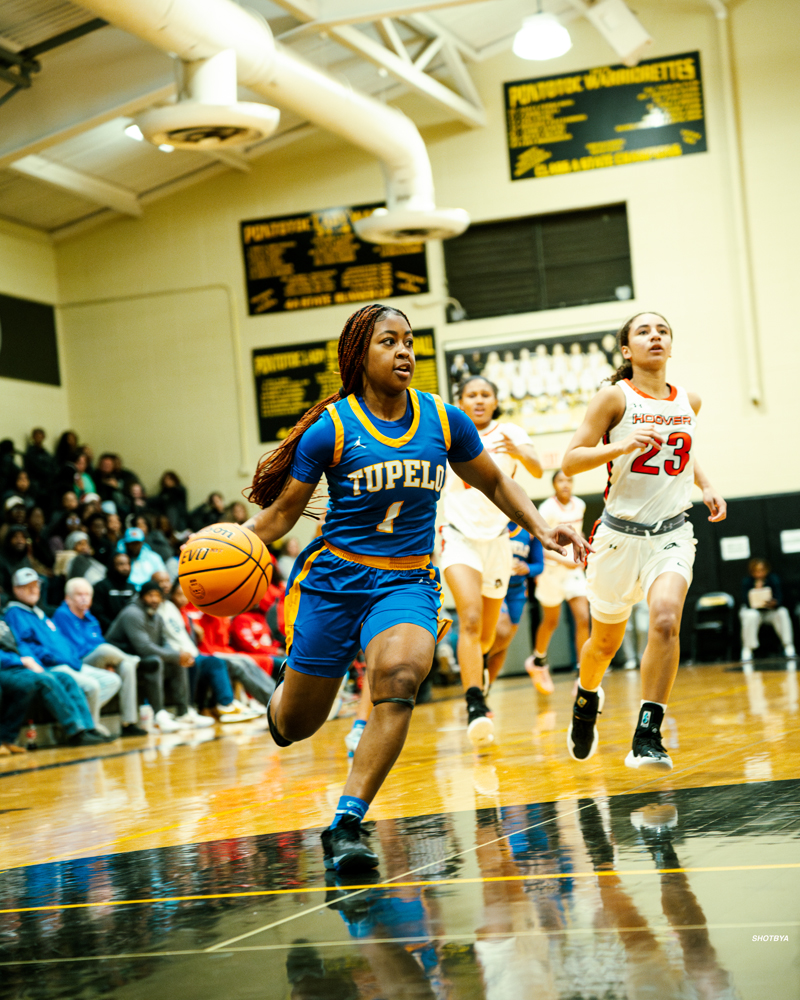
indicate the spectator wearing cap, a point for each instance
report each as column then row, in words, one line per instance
column 144, row 562
column 40, row 638
column 40, row 465
column 155, row 539
column 82, row 630
column 22, row 678
column 207, row 513
column 83, row 564
column 113, row 593
column 139, row 630
column 209, row 671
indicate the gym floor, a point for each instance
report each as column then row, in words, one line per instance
column 191, row 867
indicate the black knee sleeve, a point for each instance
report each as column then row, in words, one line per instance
column 408, row 702
column 273, row 730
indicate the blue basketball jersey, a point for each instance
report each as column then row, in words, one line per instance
column 383, row 489
column 527, row 549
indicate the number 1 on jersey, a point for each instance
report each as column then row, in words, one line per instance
column 387, row 524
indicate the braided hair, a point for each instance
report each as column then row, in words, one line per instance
column 274, row 468
column 625, row 370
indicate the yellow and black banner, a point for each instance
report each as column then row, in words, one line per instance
column 289, row 380
column 316, row 259
column 605, row 117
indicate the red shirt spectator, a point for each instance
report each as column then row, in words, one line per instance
column 213, row 635
column 250, row 634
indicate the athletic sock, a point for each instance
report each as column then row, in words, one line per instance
column 349, row 805
column 651, row 715
column 583, row 687
column 538, row 656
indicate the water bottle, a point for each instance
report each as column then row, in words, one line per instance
column 30, row 735
column 146, row 715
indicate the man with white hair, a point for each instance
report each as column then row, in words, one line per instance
column 40, row 638
column 83, row 631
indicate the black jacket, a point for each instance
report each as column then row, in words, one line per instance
column 110, row 597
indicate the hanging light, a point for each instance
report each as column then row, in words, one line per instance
column 542, row 36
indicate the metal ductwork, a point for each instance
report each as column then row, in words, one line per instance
column 197, row 30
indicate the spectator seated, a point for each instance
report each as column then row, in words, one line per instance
column 762, row 604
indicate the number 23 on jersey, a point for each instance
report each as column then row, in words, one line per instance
column 681, row 444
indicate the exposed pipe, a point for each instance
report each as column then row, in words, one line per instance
column 197, row 29
column 744, row 264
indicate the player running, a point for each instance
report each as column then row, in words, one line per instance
column 644, row 545
column 368, row 581
column 476, row 552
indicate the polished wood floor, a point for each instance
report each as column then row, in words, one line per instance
column 515, row 859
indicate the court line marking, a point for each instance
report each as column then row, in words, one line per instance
column 460, row 854
column 663, row 930
column 537, row 876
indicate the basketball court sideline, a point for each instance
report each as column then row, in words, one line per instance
column 194, row 866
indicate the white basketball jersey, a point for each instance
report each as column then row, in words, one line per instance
column 469, row 510
column 652, row 485
column 555, row 513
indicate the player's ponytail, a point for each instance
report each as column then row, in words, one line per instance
column 273, row 469
column 625, row 370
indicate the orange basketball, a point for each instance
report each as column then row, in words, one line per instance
column 225, row 569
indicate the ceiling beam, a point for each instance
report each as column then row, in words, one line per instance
column 92, row 189
column 405, row 71
column 333, row 14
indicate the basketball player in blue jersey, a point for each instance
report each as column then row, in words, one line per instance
column 368, row 581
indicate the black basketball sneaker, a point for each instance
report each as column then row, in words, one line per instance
column 480, row 728
column 582, row 735
column 648, row 750
column 345, row 850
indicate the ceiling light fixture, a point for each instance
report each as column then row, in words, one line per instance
column 134, row 132
column 166, row 148
column 542, row 36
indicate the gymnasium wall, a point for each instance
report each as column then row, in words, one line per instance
column 154, row 309
column 28, row 271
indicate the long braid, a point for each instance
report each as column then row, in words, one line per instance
column 273, row 469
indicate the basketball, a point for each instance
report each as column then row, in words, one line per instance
column 224, row 569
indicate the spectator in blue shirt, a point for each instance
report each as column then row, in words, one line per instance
column 144, row 562
column 21, row 679
column 40, row 638
column 80, row 627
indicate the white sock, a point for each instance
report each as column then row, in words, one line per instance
column 645, row 702
column 538, row 655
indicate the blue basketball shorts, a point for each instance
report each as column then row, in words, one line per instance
column 335, row 606
column 515, row 600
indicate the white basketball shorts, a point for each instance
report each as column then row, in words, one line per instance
column 492, row 559
column 559, row 583
column 623, row 568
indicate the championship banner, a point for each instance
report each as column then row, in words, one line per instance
column 289, row 380
column 605, row 117
column 316, row 259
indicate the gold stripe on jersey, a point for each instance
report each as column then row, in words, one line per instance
column 367, row 424
column 380, row 562
column 338, row 445
column 444, row 419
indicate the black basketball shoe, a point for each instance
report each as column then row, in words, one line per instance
column 582, row 735
column 648, row 750
column 480, row 728
column 344, row 849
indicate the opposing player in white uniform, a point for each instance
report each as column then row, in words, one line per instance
column 561, row 580
column 476, row 552
column 644, row 545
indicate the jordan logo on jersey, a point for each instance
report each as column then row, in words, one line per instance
column 357, row 444
column 384, row 475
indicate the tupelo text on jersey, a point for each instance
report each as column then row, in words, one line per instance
column 384, row 475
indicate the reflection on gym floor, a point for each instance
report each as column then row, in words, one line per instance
column 654, row 895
